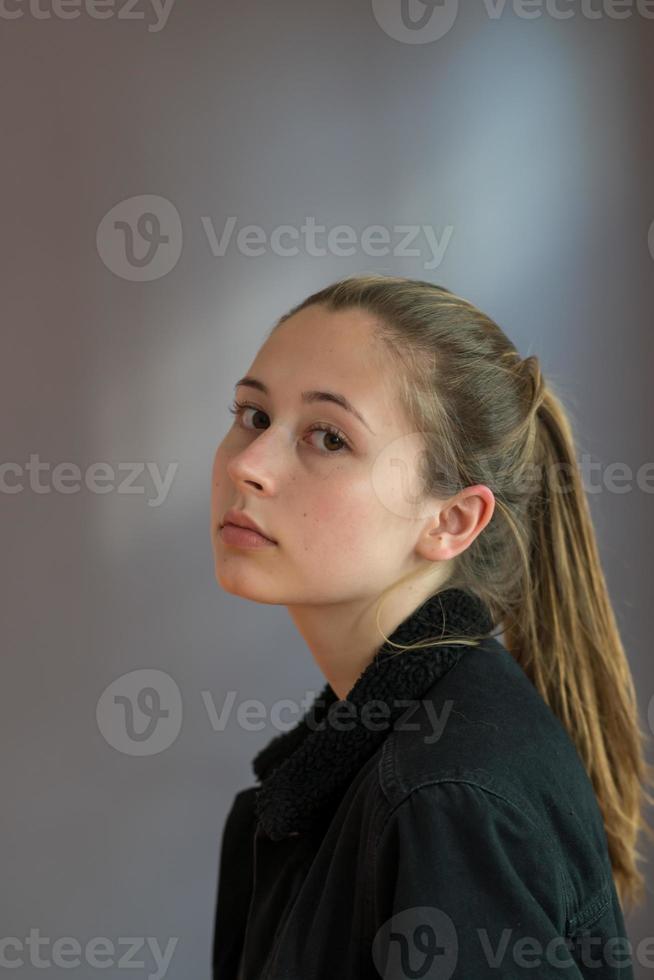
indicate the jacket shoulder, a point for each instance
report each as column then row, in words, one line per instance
column 484, row 725
column 485, row 721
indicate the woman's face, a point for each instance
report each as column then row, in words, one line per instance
column 341, row 508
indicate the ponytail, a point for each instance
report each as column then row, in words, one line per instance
column 564, row 634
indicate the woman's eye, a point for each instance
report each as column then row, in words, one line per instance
column 331, row 433
column 238, row 409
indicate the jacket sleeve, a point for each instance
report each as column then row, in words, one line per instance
column 234, row 889
column 465, row 886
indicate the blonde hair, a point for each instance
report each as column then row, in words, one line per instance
column 487, row 416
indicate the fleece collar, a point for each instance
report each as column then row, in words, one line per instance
column 308, row 767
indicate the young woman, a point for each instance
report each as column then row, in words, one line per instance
column 452, row 804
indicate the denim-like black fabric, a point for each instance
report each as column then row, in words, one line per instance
column 461, row 838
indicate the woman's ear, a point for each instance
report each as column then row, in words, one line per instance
column 456, row 523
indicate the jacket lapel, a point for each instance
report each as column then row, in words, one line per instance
column 306, row 768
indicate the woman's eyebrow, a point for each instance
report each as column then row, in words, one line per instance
column 309, row 396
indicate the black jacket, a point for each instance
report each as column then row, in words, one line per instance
column 449, row 830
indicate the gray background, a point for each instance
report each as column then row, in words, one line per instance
column 530, row 138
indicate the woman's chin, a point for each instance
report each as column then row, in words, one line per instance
column 243, row 584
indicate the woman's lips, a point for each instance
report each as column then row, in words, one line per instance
column 243, row 537
column 241, row 519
